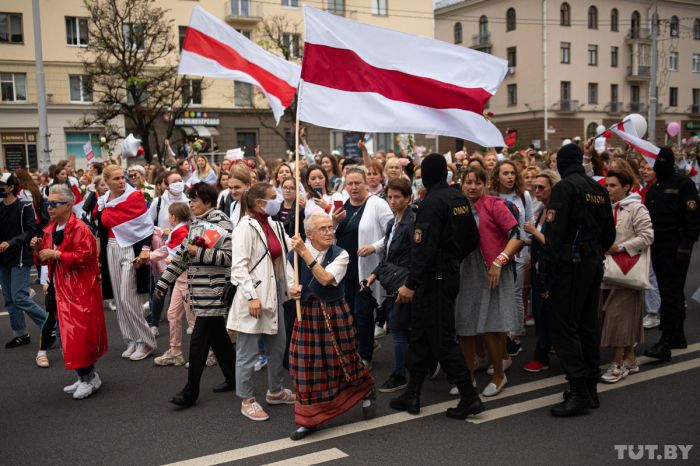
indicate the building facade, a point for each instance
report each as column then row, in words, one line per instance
column 578, row 65
column 227, row 113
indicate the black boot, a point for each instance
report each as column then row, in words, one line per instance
column 577, row 403
column 183, row 399
column 592, row 385
column 678, row 340
column 469, row 403
column 408, row 400
column 660, row 351
column 225, row 386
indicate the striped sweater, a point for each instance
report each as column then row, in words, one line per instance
column 207, row 271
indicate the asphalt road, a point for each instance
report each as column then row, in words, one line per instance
column 129, row 421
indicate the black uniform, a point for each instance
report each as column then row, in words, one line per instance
column 445, row 232
column 580, row 228
column 673, row 207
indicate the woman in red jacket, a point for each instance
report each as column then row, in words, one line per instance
column 70, row 251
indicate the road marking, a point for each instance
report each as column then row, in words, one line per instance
column 383, row 421
column 537, row 403
column 3, row 313
column 312, row 458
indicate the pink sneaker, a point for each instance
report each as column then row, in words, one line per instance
column 253, row 411
column 282, row 397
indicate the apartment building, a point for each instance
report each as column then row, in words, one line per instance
column 581, row 64
column 222, row 111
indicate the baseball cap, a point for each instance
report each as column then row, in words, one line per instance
column 8, row 178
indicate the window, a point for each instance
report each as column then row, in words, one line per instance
column 11, row 28
column 614, row 20
column 458, row 33
column 76, row 140
column 337, row 7
column 511, row 53
column 673, row 97
column 673, row 61
column 510, row 19
column 379, row 8
column 635, row 25
column 614, row 94
column 181, row 33
column 634, row 94
column 290, row 3
column 565, row 48
column 483, row 26
column 512, row 94
column 592, row 17
column 242, row 94
column 591, row 130
column 247, row 140
column 565, row 15
column 133, row 36
column 674, row 26
column 80, row 88
column 291, row 42
column 76, row 31
column 592, row 55
column 593, row 93
column 696, row 97
column 13, row 87
column 245, row 32
column 192, row 92
column 696, row 63
column 696, row 29
column 565, row 91
column 613, row 56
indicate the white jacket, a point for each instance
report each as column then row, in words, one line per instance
column 371, row 231
column 268, row 282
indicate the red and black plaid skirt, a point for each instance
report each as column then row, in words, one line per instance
column 328, row 375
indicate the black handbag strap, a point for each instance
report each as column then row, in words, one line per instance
column 267, row 250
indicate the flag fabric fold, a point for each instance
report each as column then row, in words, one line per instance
column 214, row 49
column 625, row 130
column 359, row 77
column 133, row 222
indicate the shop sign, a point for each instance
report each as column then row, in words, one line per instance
column 197, row 122
column 13, row 138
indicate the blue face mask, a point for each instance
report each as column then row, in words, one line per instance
column 272, row 206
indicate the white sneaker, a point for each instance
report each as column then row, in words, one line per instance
column 112, row 305
column 615, row 373
column 84, row 390
column 96, row 382
column 211, row 359
column 651, row 321
column 454, row 391
column 379, row 332
column 70, row 389
column 492, row 389
column 154, row 330
column 129, row 350
column 142, row 352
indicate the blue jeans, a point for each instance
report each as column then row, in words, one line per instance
column 15, row 292
column 400, row 350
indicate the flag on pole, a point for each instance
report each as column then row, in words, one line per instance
column 214, row 49
column 626, row 131
column 358, row 77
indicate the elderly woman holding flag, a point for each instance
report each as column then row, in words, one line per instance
column 125, row 230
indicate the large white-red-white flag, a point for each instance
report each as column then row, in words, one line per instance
column 214, row 49
column 131, row 222
column 359, row 77
column 625, row 129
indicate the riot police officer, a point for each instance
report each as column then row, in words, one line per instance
column 673, row 206
column 580, row 228
column 445, row 232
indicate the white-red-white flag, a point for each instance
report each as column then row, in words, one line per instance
column 131, row 222
column 214, row 49
column 364, row 78
column 625, row 129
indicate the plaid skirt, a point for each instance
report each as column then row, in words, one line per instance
column 328, row 375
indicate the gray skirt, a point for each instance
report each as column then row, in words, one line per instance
column 479, row 309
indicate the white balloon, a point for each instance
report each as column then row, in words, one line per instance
column 639, row 123
column 600, row 144
column 130, row 145
column 600, row 129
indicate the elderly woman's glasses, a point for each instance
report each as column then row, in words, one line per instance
column 326, row 230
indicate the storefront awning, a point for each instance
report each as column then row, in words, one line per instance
column 202, row 131
column 188, row 130
column 213, row 131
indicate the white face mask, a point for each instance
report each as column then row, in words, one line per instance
column 418, row 183
column 272, row 206
column 450, row 175
column 176, row 188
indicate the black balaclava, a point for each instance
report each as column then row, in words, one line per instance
column 665, row 164
column 568, row 156
column 433, row 170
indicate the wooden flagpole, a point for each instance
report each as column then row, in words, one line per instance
column 296, row 208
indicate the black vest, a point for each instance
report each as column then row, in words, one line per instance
column 310, row 286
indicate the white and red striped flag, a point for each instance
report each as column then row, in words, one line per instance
column 364, row 78
column 133, row 222
column 213, row 49
column 625, row 129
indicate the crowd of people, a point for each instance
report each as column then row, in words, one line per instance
column 453, row 256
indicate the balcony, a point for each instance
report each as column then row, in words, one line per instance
column 614, row 108
column 243, row 11
column 638, row 35
column 636, row 107
column 481, row 41
column 567, row 106
column 638, row 73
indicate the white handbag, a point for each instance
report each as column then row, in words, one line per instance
column 627, row 271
